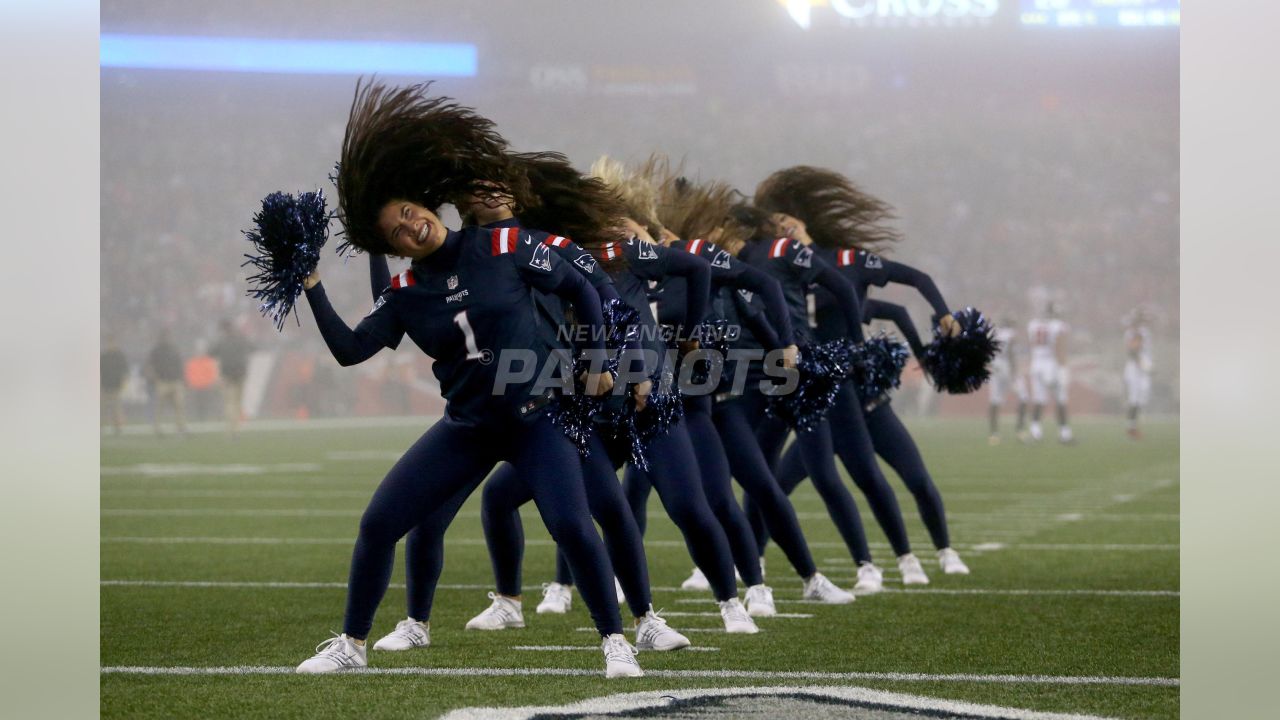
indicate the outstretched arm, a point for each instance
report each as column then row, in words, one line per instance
column 897, row 272
column 697, row 274
column 349, row 347
column 896, row 314
column 769, row 290
column 379, row 274
column 829, row 278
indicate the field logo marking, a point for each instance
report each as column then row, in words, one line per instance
column 762, row 702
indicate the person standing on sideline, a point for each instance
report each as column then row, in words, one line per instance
column 1137, row 369
column 231, row 350
column 164, row 370
column 1049, row 375
column 115, row 369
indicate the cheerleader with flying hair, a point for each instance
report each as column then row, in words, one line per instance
column 849, row 226
column 702, row 211
column 405, row 154
column 631, row 260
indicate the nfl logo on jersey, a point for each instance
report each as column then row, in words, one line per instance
column 453, row 282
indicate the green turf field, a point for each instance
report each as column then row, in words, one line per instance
column 232, row 554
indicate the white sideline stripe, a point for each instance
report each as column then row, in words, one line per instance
column 577, row 672
column 682, row 630
column 594, row 648
column 177, row 469
column 238, row 493
column 976, row 591
column 1045, row 547
column 785, row 616
column 211, row 540
column 345, row 423
column 292, row 585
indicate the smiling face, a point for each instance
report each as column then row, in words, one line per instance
column 792, row 227
column 410, row 229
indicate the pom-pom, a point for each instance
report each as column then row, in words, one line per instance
column 632, row 430
column 713, row 336
column 878, row 365
column 578, row 414
column 961, row 364
column 823, row 368
column 288, row 235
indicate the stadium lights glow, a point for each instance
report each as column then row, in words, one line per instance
column 260, row 55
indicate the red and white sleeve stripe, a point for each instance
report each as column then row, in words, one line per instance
column 504, row 240
column 846, row 257
column 403, row 280
column 779, row 248
column 696, row 246
column 611, row 251
column 556, row 241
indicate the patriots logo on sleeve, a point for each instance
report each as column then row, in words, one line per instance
column 541, row 258
column 722, row 260
column 647, row 251
column 873, row 262
column 382, row 300
column 804, row 257
column 746, row 294
column 586, row 262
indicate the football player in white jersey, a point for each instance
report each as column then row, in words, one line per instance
column 1137, row 368
column 1006, row 375
column 1047, row 337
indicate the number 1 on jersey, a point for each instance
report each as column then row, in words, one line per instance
column 473, row 351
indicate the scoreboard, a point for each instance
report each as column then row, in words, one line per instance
column 1100, row 13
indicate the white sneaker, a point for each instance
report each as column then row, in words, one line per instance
column 1036, row 431
column 1064, row 435
column 736, row 619
column 760, row 601
column 696, row 581
column 653, row 633
column 870, row 579
column 617, row 590
column 502, row 614
column 409, row 634
column 819, row 587
column 951, row 562
column 557, row 599
column 620, row 658
column 333, row 655
column 912, row 573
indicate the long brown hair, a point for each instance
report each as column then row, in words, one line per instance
column 569, row 203
column 835, row 211
column 401, row 144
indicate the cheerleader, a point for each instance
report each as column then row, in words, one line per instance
column 466, row 296
column 847, row 225
column 632, row 263
column 1137, row 369
column 702, row 211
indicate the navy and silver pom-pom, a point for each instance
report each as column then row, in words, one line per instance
column 633, row 430
column 713, row 336
column 823, row 369
column 878, row 366
column 287, row 237
column 961, row 364
column 578, row 414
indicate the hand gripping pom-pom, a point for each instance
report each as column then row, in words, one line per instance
column 961, row 364
column 287, row 237
column 823, row 368
column 877, row 368
column 577, row 414
column 634, row 429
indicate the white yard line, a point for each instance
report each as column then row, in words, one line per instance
column 974, row 591
column 689, row 673
column 784, row 616
column 217, row 540
column 593, row 648
column 682, row 630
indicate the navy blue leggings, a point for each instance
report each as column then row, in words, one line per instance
column 849, row 435
column 451, row 459
column 713, row 467
column 503, row 532
column 674, row 472
column 734, row 420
